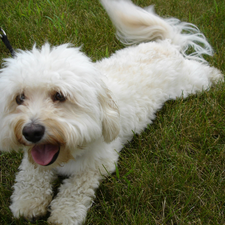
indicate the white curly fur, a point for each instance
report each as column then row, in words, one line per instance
column 105, row 102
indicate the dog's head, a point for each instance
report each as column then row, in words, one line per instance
column 53, row 102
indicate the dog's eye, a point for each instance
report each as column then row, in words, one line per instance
column 20, row 99
column 59, row 97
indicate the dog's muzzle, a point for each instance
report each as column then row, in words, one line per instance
column 42, row 154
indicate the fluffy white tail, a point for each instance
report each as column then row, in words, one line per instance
column 135, row 25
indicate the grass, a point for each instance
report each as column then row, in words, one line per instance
column 174, row 173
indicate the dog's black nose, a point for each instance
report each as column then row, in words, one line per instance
column 33, row 132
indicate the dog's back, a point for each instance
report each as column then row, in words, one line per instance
column 146, row 75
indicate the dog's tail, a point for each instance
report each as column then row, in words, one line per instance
column 135, row 25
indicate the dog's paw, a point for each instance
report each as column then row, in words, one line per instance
column 59, row 219
column 31, row 208
column 67, row 214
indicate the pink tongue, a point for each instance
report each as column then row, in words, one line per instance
column 43, row 154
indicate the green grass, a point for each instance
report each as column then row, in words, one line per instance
column 174, row 173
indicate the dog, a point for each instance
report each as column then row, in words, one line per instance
column 72, row 117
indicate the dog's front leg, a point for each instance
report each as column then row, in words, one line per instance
column 74, row 199
column 32, row 191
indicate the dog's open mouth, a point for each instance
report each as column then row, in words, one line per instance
column 45, row 155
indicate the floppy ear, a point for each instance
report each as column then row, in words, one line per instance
column 110, row 116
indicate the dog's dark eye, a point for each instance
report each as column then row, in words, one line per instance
column 20, row 99
column 59, row 97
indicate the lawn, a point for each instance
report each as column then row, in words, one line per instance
column 174, row 173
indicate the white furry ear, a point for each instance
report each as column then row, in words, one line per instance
column 110, row 116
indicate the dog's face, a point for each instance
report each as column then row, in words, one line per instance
column 53, row 103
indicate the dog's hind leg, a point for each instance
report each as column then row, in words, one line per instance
column 32, row 191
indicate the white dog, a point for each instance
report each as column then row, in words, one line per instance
column 72, row 116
